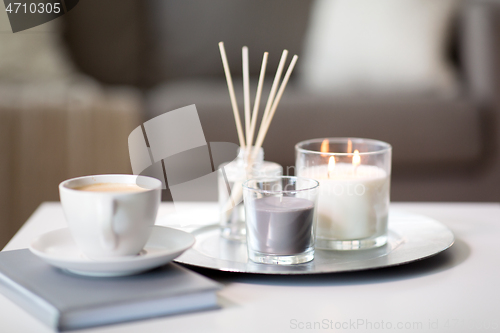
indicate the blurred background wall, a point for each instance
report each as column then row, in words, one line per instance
column 422, row 75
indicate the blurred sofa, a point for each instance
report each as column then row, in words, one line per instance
column 446, row 148
column 165, row 53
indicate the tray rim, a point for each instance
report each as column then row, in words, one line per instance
column 402, row 214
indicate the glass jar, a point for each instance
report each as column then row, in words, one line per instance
column 355, row 178
column 281, row 219
column 231, row 176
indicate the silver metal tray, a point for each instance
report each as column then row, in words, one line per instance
column 411, row 237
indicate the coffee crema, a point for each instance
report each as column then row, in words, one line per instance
column 110, row 187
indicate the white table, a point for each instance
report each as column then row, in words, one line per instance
column 455, row 291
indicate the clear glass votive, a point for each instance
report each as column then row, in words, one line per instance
column 235, row 173
column 353, row 202
column 280, row 219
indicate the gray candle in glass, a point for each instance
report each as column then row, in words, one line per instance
column 281, row 225
column 281, row 219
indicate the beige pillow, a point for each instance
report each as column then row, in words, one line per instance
column 379, row 47
column 33, row 55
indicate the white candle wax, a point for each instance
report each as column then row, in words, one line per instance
column 352, row 202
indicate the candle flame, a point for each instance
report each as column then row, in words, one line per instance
column 325, row 147
column 356, row 159
column 349, row 146
column 331, row 165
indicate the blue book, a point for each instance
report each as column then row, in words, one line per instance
column 65, row 301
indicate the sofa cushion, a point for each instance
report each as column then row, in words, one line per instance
column 35, row 55
column 385, row 46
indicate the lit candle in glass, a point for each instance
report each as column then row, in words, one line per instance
column 353, row 202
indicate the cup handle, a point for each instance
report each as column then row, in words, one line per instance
column 109, row 239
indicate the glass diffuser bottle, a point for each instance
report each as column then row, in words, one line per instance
column 232, row 175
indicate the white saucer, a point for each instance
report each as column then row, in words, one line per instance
column 59, row 249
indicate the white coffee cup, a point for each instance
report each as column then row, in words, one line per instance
column 110, row 224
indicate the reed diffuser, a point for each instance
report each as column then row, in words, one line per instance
column 250, row 161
